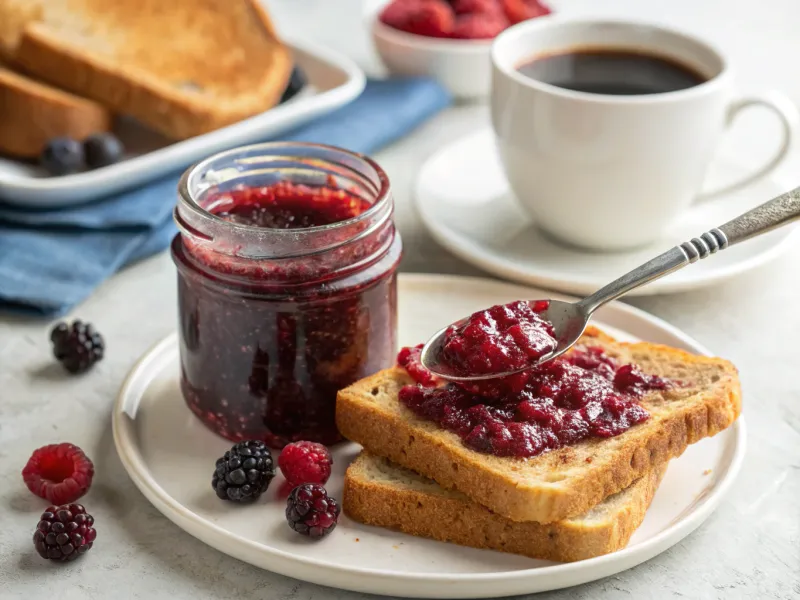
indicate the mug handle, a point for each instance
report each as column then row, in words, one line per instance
column 787, row 114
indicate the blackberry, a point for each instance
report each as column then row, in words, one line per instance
column 310, row 511
column 102, row 149
column 62, row 156
column 297, row 81
column 64, row 532
column 78, row 346
column 244, row 473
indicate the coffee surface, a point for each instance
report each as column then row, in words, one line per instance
column 611, row 72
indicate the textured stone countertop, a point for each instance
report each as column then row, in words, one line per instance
column 750, row 548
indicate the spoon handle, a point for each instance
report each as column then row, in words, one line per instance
column 773, row 214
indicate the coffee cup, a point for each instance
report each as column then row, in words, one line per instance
column 606, row 129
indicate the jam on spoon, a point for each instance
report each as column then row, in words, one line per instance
column 505, row 337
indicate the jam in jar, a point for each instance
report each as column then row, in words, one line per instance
column 286, row 258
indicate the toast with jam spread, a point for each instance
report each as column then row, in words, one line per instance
column 564, row 482
column 376, row 492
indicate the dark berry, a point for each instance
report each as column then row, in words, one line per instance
column 59, row 473
column 297, row 81
column 244, row 473
column 102, row 149
column 77, row 346
column 62, row 156
column 310, row 511
column 64, row 532
column 305, row 462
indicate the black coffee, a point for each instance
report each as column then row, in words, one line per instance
column 614, row 72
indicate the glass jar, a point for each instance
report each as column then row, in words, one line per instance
column 273, row 322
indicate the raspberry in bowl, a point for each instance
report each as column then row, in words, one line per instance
column 286, row 258
column 448, row 40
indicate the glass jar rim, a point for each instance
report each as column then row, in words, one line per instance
column 184, row 186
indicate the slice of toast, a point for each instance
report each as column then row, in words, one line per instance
column 379, row 493
column 32, row 113
column 561, row 483
column 184, row 67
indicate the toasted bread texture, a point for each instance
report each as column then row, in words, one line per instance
column 561, row 483
column 376, row 492
column 32, row 113
column 184, row 67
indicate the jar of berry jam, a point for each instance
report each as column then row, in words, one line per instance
column 286, row 258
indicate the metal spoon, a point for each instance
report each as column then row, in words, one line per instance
column 569, row 319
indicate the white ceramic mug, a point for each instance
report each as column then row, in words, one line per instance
column 613, row 172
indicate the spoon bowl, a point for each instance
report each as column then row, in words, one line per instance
column 569, row 321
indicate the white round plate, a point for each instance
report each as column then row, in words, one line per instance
column 169, row 455
column 464, row 200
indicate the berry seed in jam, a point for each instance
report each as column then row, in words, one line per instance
column 583, row 394
column 503, row 338
column 275, row 322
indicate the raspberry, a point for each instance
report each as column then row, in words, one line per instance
column 479, row 26
column 467, row 7
column 522, row 10
column 78, row 346
column 59, row 473
column 398, row 12
column 244, row 472
column 432, row 18
column 310, row 511
column 305, row 462
column 64, row 532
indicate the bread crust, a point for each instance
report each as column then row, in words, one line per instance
column 454, row 518
column 558, row 484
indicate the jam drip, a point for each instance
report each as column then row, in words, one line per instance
column 583, row 394
column 409, row 359
column 506, row 337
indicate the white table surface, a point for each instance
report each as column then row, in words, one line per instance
column 749, row 549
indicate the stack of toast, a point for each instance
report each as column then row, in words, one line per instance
column 568, row 504
column 182, row 68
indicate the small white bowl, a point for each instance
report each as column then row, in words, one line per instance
column 462, row 66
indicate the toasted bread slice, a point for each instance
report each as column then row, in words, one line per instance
column 184, row 67
column 32, row 113
column 562, row 483
column 376, row 492
column 15, row 15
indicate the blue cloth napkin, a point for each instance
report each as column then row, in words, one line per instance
column 50, row 260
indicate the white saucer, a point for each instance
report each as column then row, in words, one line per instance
column 463, row 199
column 169, row 455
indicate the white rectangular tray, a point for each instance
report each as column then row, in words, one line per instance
column 333, row 81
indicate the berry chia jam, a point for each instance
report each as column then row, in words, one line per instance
column 500, row 339
column 286, row 287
